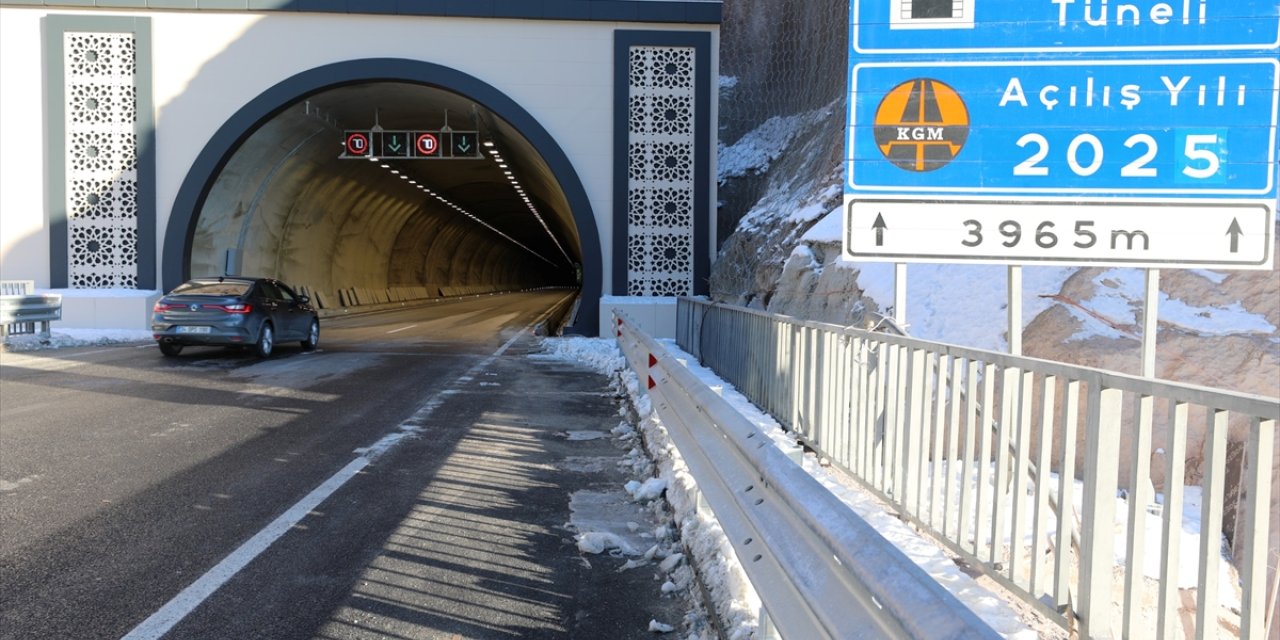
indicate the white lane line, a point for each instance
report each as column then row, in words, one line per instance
column 160, row 622
column 402, row 329
column 185, row 602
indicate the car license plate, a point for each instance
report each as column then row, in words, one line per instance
column 195, row 329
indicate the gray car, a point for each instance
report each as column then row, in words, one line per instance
column 234, row 311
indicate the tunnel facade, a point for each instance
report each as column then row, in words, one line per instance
column 157, row 145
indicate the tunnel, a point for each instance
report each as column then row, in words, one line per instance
column 275, row 193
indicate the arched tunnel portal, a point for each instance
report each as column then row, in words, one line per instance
column 271, row 193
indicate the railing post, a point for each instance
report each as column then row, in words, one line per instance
column 1171, row 525
column 1101, row 466
column 913, row 434
column 1215, row 459
column 1141, row 494
column 1262, row 438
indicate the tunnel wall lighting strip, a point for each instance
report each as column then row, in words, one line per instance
column 515, row 184
column 466, row 213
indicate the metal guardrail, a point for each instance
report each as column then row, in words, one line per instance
column 21, row 309
column 821, row 571
column 951, row 436
column 17, row 287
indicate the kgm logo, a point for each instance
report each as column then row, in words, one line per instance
column 921, row 125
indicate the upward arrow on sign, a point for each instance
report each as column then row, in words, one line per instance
column 1235, row 232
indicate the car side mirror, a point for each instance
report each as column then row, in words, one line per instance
column 304, row 299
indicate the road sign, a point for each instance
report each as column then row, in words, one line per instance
column 426, row 144
column 1070, row 232
column 356, row 144
column 1059, row 26
column 411, row 145
column 395, row 144
column 1014, row 131
column 465, row 143
column 1163, row 127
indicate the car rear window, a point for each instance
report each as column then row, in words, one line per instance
column 212, row 288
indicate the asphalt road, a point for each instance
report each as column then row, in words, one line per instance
column 412, row 478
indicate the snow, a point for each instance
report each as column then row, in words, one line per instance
column 737, row 603
column 1120, row 296
column 942, row 301
column 757, row 149
column 64, row 338
column 650, row 489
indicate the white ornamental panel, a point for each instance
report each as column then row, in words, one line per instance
column 101, row 159
column 660, row 158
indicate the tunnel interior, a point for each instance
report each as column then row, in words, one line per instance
column 286, row 203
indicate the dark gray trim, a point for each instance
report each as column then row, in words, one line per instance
column 215, row 154
column 661, row 11
column 700, row 41
column 56, row 141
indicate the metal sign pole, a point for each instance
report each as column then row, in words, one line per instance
column 1150, row 309
column 1015, row 310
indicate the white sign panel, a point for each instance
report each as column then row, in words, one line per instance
column 1233, row 234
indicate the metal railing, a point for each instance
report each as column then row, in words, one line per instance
column 21, row 309
column 820, row 570
column 1017, row 465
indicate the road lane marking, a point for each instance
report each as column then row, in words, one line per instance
column 185, row 602
column 401, row 329
column 173, row 612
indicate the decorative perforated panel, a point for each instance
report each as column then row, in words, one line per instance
column 100, row 71
column 660, row 159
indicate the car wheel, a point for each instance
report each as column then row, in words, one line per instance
column 266, row 341
column 313, row 336
column 170, row 348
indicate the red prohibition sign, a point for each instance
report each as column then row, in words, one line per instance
column 357, row 144
column 427, row 144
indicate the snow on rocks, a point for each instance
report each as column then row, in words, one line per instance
column 597, row 542
column 648, row 490
column 660, row 627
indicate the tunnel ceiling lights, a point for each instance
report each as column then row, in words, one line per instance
column 468, row 214
column 515, row 184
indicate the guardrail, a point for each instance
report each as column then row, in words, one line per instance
column 820, row 570
column 21, row 310
column 984, row 450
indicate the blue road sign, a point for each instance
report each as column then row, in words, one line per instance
column 1039, row 26
column 1169, row 128
column 1138, row 132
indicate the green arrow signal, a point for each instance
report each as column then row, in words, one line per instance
column 395, row 145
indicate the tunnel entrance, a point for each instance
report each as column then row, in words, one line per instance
column 271, row 195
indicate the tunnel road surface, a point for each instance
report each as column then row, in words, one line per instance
column 410, row 479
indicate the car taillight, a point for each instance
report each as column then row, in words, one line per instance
column 162, row 307
column 239, row 307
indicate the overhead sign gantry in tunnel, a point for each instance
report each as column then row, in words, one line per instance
column 385, row 185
